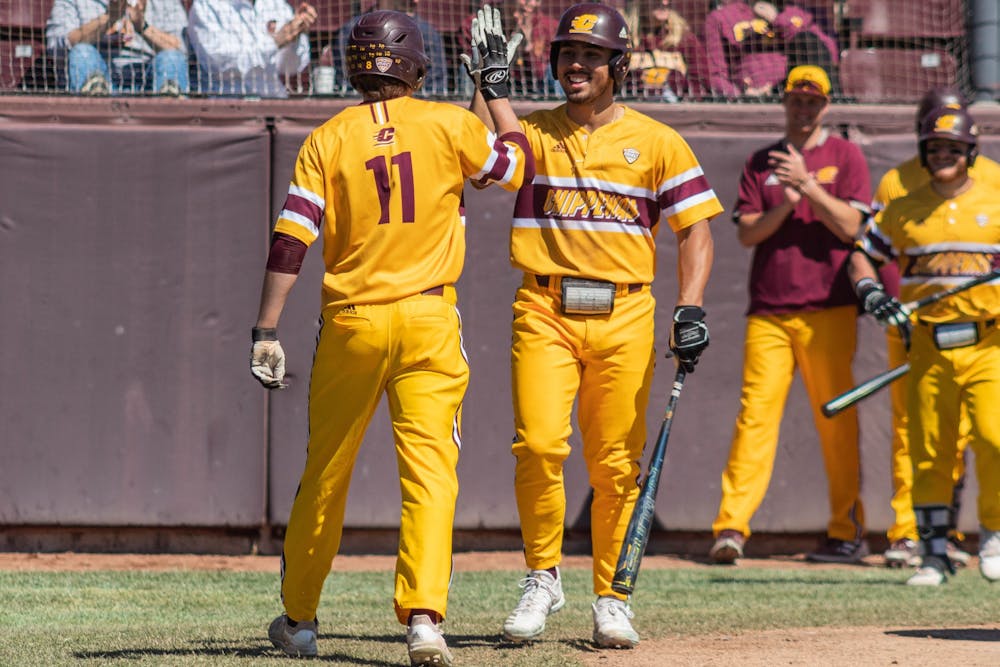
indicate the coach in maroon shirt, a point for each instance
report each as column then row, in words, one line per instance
column 800, row 204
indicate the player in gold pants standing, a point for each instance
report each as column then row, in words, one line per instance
column 939, row 235
column 382, row 183
column 898, row 182
column 608, row 180
column 800, row 204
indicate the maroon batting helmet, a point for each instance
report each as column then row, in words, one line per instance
column 947, row 123
column 596, row 24
column 387, row 43
column 941, row 97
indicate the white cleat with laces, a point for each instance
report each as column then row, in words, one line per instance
column 612, row 625
column 542, row 596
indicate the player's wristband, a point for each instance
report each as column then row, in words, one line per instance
column 258, row 334
column 865, row 286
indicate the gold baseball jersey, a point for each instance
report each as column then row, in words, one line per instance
column 594, row 205
column 910, row 175
column 388, row 199
column 938, row 243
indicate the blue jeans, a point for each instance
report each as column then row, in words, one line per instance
column 86, row 60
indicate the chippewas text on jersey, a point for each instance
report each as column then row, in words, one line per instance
column 593, row 204
column 594, row 207
column 938, row 243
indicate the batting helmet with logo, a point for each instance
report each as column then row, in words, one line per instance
column 596, row 24
column 941, row 97
column 387, row 43
column 948, row 123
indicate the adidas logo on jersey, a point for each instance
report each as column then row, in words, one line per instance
column 348, row 310
column 560, row 147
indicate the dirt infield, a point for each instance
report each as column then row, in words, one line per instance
column 931, row 647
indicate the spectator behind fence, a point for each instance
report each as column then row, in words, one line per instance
column 530, row 69
column 436, row 82
column 669, row 60
column 803, row 40
column 800, row 205
column 750, row 49
column 249, row 47
column 142, row 40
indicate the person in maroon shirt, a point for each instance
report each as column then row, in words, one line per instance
column 800, row 204
column 749, row 48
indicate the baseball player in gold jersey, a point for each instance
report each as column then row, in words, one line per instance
column 382, row 183
column 898, row 182
column 941, row 234
column 608, row 179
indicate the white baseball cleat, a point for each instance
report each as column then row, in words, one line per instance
column 612, row 628
column 425, row 643
column 297, row 641
column 543, row 595
column 989, row 554
column 929, row 574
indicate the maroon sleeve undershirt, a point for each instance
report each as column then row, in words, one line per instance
column 286, row 255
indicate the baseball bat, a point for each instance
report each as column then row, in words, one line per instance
column 641, row 522
column 864, row 390
column 867, row 388
column 937, row 296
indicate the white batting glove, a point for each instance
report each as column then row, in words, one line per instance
column 267, row 363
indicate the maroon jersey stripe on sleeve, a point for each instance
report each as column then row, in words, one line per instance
column 304, row 207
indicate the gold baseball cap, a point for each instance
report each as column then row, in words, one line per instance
column 808, row 80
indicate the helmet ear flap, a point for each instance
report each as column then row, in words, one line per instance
column 618, row 66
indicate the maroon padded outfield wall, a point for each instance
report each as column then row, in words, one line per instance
column 133, row 236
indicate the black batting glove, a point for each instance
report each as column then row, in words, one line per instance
column 884, row 308
column 689, row 336
column 494, row 54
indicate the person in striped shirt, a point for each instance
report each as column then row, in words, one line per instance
column 608, row 180
column 381, row 182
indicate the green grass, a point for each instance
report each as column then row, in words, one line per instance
column 219, row 618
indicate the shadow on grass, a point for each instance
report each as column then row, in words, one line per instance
column 234, row 650
column 580, row 645
column 809, row 581
column 952, row 634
